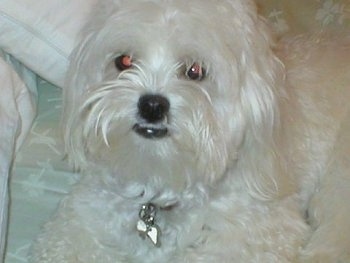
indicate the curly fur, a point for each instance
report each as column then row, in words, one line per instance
column 255, row 166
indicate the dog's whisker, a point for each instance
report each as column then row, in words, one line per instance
column 104, row 135
column 98, row 119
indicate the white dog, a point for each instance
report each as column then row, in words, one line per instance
column 197, row 143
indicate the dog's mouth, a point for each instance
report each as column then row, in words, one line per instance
column 151, row 131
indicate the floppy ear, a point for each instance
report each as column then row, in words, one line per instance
column 76, row 85
column 81, row 74
column 261, row 162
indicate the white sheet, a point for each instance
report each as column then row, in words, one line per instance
column 17, row 111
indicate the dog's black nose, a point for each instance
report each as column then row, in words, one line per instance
column 153, row 107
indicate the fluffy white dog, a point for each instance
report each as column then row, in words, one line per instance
column 198, row 144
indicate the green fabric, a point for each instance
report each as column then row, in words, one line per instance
column 41, row 176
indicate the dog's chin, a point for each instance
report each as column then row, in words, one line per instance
column 151, row 131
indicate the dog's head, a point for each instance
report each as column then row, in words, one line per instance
column 171, row 88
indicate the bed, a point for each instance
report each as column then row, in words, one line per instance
column 36, row 38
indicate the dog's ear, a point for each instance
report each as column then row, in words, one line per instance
column 77, row 79
column 261, row 73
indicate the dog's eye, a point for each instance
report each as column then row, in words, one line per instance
column 195, row 72
column 123, row 62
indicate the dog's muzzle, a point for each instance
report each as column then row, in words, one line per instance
column 153, row 110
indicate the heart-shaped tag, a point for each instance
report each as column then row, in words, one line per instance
column 152, row 232
column 146, row 225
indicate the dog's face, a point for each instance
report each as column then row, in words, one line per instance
column 170, row 88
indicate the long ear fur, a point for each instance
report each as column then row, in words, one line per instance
column 77, row 81
column 261, row 163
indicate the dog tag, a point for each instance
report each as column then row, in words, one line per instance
column 153, row 234
column 141, row 227
column 146, row 226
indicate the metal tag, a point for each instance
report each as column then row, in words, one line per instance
column 146, row 226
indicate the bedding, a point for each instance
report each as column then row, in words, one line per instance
column 40, row 34
column 17, row 111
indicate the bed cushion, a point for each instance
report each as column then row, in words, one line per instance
column 300, row 16
column 41, row 33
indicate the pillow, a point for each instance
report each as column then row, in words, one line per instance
column 41, row 33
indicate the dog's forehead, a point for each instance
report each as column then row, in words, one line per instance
column 193, row 26
column 193, row 6
column 187, row 16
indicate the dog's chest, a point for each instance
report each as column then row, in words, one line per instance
column 146, row 233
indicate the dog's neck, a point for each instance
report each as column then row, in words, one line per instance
column 174, row 206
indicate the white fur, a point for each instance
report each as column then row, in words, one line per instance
column 256, row 166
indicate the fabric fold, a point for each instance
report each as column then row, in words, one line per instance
column 17, row 111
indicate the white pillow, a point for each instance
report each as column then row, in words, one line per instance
column 41, row 34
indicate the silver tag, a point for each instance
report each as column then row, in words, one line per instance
column 146, row 225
